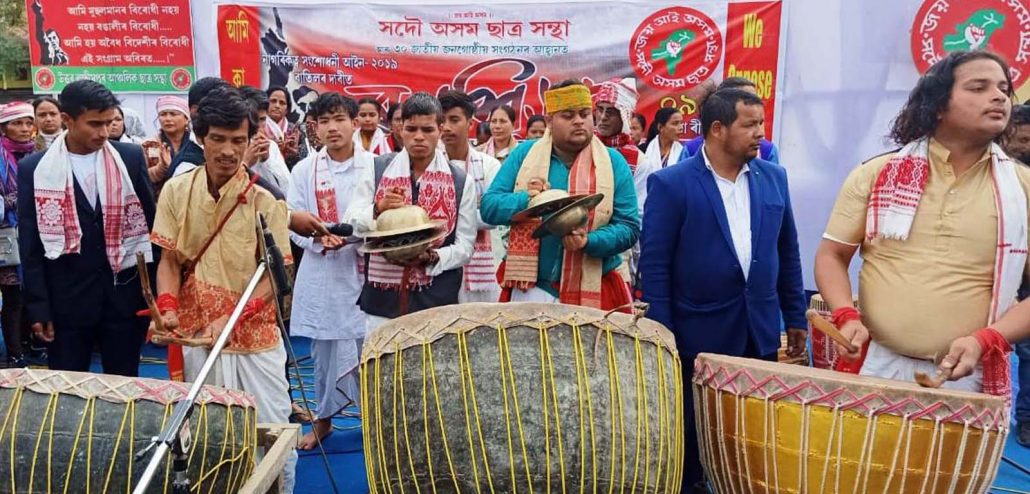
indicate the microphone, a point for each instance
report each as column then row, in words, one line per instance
column 340, row 229
column 277, row 267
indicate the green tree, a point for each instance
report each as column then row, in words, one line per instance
column 14, row 37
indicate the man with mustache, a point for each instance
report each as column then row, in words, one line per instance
column 207, row 227
column 719, row 258
column 570, row 157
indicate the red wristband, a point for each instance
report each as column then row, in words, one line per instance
column 254, row 306
column 844, row 315
column 166, row 302
column 991, row 340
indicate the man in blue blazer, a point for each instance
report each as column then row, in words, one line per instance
column 720, row 264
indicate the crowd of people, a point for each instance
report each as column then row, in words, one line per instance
column 702, row 230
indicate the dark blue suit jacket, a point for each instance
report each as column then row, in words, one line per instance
column 689, row 268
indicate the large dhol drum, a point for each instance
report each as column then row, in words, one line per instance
column 768, row 427
column 522, row 398
column 78, row 432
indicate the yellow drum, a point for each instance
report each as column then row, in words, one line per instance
column 522, row 398
column 768, row 427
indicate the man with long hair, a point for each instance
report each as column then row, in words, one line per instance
column 942, row 226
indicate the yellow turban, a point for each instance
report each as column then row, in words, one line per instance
column 567, row 98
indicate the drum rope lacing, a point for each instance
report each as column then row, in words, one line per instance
column 669, row 421
column 714, row 442
column 244, row 458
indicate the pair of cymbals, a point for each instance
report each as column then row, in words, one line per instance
column 403, row 233
column 563, row 212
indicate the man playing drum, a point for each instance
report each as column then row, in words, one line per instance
column 570, row 157
column 942, row 226
column 206, row 225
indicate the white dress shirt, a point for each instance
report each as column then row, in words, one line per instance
column 359, row 215
column 328, row 284
column 84, row 167
column 736, row 199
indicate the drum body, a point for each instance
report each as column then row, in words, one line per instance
column 824, row 353
column 522, row 398
column 78, row 432
column 769, row 427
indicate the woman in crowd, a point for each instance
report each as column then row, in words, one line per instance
column 287, row 135
column 535, row 127
column 502, row 138
column 370, row 134
column 172, row 140
column 663, row 138
column 637, row 129
column 48, row 121
column 117, row 130
column 17, row 123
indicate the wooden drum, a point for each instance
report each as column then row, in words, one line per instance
column 769, row 427
column 522, row 397
column 78, row 432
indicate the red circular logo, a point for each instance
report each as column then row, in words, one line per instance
column 944, row 26
column 181, row 79
column 676, row 48
column 45, row 79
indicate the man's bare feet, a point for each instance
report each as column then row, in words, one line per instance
column 321, row 427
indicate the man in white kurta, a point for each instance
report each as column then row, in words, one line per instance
column 328, row 281
column 480, row 274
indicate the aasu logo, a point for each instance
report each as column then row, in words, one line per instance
column 45, row 79
column 676, row 48
column 944, row 26
column 181, row 79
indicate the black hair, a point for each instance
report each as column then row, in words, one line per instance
column 368, row 100
column 45, row 99
column 483, row 128
column 919, row 117
column 507, row 110
column 1020, row 115
column 567, row 83
column 333, row 101
column 83, row 95
column 394, row 108
column 661, row 117
column 641, row 119
column 202, row 87
column 735, row 82
column 458, row 99
column 421, row 103
column 721, row 106
column 224, row 108
column 534, row 119
column 286, row 94
column 255, row 96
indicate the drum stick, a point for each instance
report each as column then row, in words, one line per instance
column 148, row 293
column 827, row 329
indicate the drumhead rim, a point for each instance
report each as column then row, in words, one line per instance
column 714, row 371
column 119, row 389
column 432, row 324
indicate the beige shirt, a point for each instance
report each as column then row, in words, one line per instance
column 919, row 294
